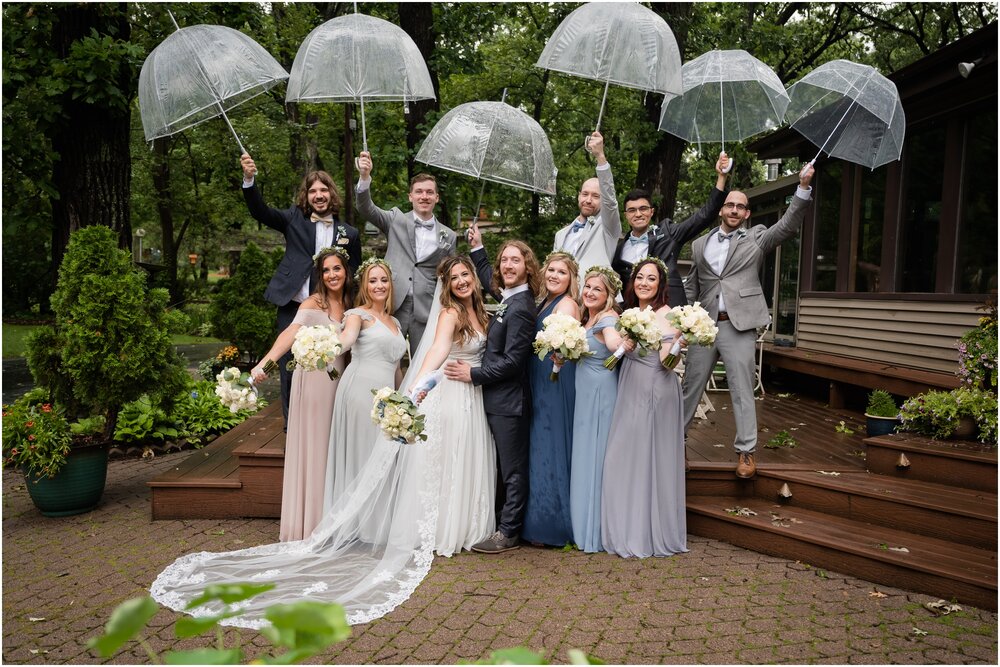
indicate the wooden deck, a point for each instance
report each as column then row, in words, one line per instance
column 835, row 500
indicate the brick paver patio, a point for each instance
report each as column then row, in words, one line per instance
column 717, row 604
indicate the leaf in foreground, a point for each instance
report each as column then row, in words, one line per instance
column 126, row 620
column 204, row 656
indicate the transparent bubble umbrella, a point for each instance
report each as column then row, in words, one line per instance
column 354, row 58
column 850, row 111
column 620, row 43
column 492, row 141
column 198, row 73
column 727, row 95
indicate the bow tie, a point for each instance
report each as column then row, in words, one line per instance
column 426, row 224
column 726, row 237
column 577, row 225
column 328, row 220
column 636, row 240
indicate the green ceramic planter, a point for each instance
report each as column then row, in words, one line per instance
column 75, row 489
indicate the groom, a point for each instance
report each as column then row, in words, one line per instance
column 503, row 376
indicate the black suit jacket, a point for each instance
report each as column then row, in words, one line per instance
column 668, row 239
column 300, row 245
column 509, row 336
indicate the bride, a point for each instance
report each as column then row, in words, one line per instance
column 375, row 544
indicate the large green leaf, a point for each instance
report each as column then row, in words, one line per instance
column 204, row 656
column 126, row 620
column 228, row 593
column 306, row 625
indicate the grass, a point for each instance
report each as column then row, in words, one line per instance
column 14, row 336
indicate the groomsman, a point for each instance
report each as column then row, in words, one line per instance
column 666, row 239
column 592, row 236
column 416, row 243
column 726, row 280
column 308, row 227
column 503, row 375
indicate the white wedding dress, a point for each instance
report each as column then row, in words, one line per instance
column 375, row 544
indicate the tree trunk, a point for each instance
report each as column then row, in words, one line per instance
column 165, row 211
column 660, row 167
column 93, row 173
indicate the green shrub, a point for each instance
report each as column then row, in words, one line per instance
column 35, row 437
column 936, row 414
column 239, row 312
column 977, row 354
column 881, row 404
column 177, row 322
column 202, row 413
column 109, row 344
column 142, row 420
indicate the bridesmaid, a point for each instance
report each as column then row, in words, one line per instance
column 312, row 399
column 376, row 345
column 547, row 517
column 642, row 507
column 596, row 391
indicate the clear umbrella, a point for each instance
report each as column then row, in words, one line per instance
column 621, row 43
column 492, row 141
column 727, row 95
column 354, row 58
column 850, row 111
column 199, row 72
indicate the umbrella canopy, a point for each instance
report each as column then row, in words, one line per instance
column 356, row 57
column 621, row 43
column 727, row 95
column 850, row 111
column 495, row 142
column 197, row 73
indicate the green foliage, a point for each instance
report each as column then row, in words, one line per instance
column 303, row 629
column 842, row 427
column 521, row 655
column 140, row 420
column 35, row 437
column 881, row 404
column 936, row 414
column 44, row 357
column 977, row 353
column 782, row 439
column 200, row 413
column 177, row 321
column 239, row 312
column 109, row 334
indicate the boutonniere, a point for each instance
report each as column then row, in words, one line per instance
column 500, row 311
column 653, row 229
column 342, row 240
column 443, row 238
column 741, row 232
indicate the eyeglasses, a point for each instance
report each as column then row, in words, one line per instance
column 731, row 205
column 632, row 210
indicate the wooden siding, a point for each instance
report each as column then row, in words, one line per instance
column 903, row 333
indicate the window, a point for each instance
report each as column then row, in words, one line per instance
column 828, row 182
column 868, row 245
column 921, row 219
column 977, row 228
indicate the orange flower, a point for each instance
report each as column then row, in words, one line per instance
column 46, row 407
column 29, row 424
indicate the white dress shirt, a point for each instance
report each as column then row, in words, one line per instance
column 508, row 292
column 633, row 252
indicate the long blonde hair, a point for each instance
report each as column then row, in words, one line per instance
column 464, row 331
column 364, row 297
column 611, row 303
column 573, row 290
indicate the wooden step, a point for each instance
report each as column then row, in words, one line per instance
column 932, row 566
column 963, row 464
column 936, row 510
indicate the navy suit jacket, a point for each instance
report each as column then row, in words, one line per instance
column 503, row 373
column 666, row 243
column 300, row 245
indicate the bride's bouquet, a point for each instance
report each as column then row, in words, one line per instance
column 236, row 391
column 397, row 416
column 695, row 325
column 640, row 326
column 316, row 349
column 563, row 335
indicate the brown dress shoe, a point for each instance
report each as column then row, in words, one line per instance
column 746, row 467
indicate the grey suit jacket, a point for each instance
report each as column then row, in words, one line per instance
column 740, row 278
column 401, row 253
column 602, row 234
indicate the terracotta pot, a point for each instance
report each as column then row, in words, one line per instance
column 967, row 429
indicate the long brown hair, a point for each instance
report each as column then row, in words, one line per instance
column 464, row 331
column 302, row 198
column 573, row 290
column 322, row 291
column 530, row 265
column 364, row 298
column 662, row 297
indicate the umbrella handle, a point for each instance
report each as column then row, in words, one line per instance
column 729, row 167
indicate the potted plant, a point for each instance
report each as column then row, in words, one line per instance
column 881, row 415
column 960, row 413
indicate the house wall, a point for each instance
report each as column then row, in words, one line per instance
column 916, row 334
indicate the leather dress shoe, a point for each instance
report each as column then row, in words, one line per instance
column 496, row 543
column 746, row 467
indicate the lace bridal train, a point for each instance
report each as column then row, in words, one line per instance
column 376, row 543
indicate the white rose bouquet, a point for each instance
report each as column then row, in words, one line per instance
column 236, row 391
column 397, row 416
column 317, row 348
column 564, row 336
column 640, row 326
column 695, row 325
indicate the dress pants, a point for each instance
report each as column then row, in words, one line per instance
column 510, row 434
column 738, row 351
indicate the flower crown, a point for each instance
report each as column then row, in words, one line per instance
column 371, row 261
column 609, row 274
column 655, row 260
column 337, row 250
column 558, row 254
